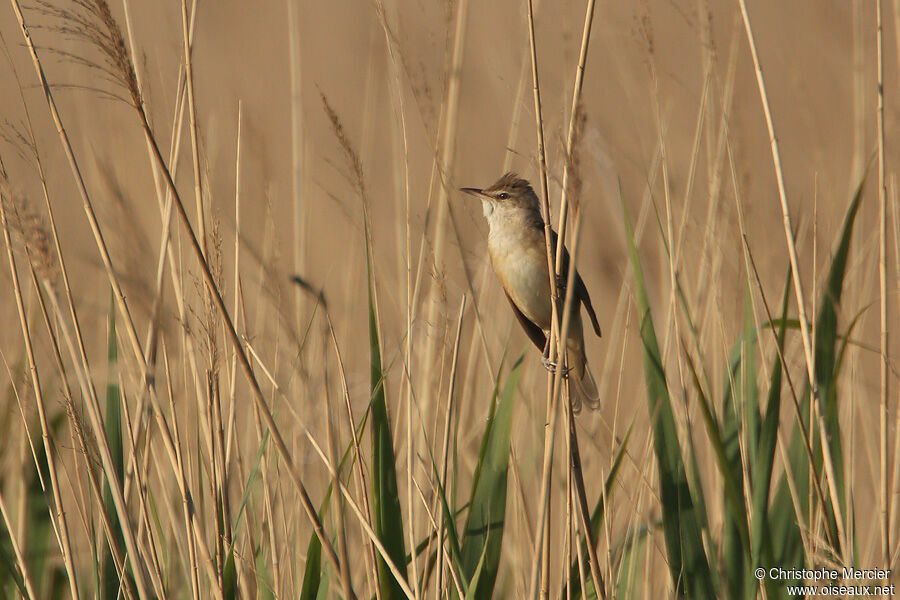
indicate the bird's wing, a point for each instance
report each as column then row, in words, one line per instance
column 535, row 333
column 581, row 292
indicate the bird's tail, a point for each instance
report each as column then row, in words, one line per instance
column 582, row 389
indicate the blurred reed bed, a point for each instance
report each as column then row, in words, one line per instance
column 218, row 442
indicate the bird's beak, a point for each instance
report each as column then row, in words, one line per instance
column 478, row 193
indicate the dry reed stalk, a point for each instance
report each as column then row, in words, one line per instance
column 357, row 179
column 400, row 130
column 582, row 578
column 525, row 518
column 297, row 144
column 367, row 528
column 572, row 186
column 166, row 252
column 555, row 395
column 445, row 447
column 578, row 502
column 798, row 284
column 565, row 557
column 267, row 485
column 276, row 533
column 153, row 326
column 187, row 48
column 582, row 510
column 231, row 434
column 884, row 497
column 678, row 244
column 237, row 264
column 165, row 206
column 335, row 476
column 400, row 139
column 554, row 260
column 57, row 513
column 858, row 166
column 574, row 132
column 671, row 328
column 216, row 432
column 715, row 182
column 434, row 525
column 17, row 552
column 710, row 62
column 358, row 458
column 888, row 488
column 145, row 525
column 445, row 157
column 895, row 475
column 193, row 564
column 540, row 574
column 624, row 319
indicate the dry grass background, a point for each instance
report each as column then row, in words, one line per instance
column 660, row 72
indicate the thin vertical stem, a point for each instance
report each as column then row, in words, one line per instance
column 554, row 263
column 192, row 115
column 297, row 153
column 444, row 166
column 798, row 284
column 336, row 477
column 446, row 445
column 575, row 462
column 882, row 281
column 542, row 535
column 20, row 561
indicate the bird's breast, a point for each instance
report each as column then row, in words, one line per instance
column 520, row 261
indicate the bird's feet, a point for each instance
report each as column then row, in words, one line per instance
column 554, row 367
column 561, row 281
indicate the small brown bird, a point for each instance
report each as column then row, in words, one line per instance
column 519, row 257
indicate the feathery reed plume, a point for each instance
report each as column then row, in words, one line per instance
column 349, row 153
column 574, row 182
column 208, row 320
column 91, row 21
column 32, row 230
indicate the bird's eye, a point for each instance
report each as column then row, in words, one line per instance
column 502, row 196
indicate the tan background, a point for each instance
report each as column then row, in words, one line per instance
column 819, row 64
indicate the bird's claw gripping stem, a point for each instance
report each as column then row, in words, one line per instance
column 554, row 367
column 561, row 281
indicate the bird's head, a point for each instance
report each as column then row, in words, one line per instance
column 508, row 192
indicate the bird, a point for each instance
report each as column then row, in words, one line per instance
column 518, row 252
